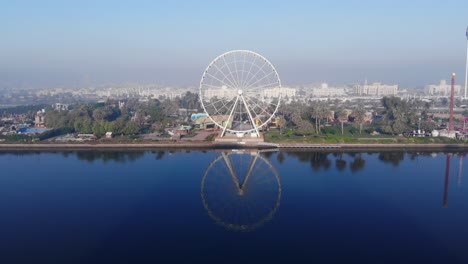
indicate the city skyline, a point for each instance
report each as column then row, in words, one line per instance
column 51, row 43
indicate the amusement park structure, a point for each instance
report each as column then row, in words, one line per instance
column 240, row 91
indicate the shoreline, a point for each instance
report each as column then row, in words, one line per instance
column 212, row 145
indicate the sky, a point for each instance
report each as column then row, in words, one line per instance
column 76, row 43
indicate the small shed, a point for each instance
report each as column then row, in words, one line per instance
column 109, row 135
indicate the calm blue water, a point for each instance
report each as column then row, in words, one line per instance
column 215, row 207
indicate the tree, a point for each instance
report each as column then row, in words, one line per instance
column 398, row 115
column 342, row 117
column 190, row 101
column 359, row 117
column 281, row 122
column 304, row 127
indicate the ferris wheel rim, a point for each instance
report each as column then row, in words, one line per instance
column 254, row 126
column 220, row 220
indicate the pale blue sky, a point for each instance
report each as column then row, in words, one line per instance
column 171, row 42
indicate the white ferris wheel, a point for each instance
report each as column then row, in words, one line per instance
column 240, row 92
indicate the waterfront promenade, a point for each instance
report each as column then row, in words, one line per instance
column 214, row 145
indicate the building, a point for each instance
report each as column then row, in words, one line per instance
column 60, row 107
column 223, row 92
column 443, row 89
column 39, row 118
column 276, row 92
column 326, row 91
column 109, row 135
column 207, row 123
column 376, row 89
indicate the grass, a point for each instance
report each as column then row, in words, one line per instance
column 288, row 136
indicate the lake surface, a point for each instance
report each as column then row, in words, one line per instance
column 233, row 207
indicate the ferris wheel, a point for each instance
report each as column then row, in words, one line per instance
column 240, row 92
column 241, row 191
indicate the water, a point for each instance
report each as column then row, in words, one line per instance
column 34, row 130
column 187, row 207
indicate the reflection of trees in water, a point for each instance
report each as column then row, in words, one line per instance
column 280, row 157
column 320, row 160
column 340, row 164
column 316, row 159
column 116, row 156
column 357, row 164
column 355, row 160
column 159, row 155
column 392, row 157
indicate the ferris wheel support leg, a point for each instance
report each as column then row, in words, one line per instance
column 229, row 118
column 250, row 116
column 233, row 173
column 249, row 171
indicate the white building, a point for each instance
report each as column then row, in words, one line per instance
column 376, row 89
column 224, row 92
column 60, row 107
column 326, row 91
column 442, row 89
column 275, row 92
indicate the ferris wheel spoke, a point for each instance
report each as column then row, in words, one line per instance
column 224, row 110
column 250, row 70
column 255, row 112
column 263, row 103
column 230, row 72
column 219, row 80
column 258, row 105
column 222, row 171
column 233, row 85
column 228, row 84
column 217, row 109
column 260, row 170
column 260, row 175
column 237, row 71
column 228, row 105
column 243, row 69
column 256, row 73
column 215, row 102
column 259, row 80
column 267, row 85
column 222, row 100
column 212, row 86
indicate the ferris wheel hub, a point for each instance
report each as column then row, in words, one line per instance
column 239, row 92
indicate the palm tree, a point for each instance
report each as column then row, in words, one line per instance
column 359, row 117
column 281, row 122
column 315, row 114
column 319, row 111
column 342, row 116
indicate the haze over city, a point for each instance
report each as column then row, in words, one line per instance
column 61, row 43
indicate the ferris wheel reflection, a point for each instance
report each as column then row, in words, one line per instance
column 241, row 191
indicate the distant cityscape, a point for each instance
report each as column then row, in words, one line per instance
column 318, row 91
